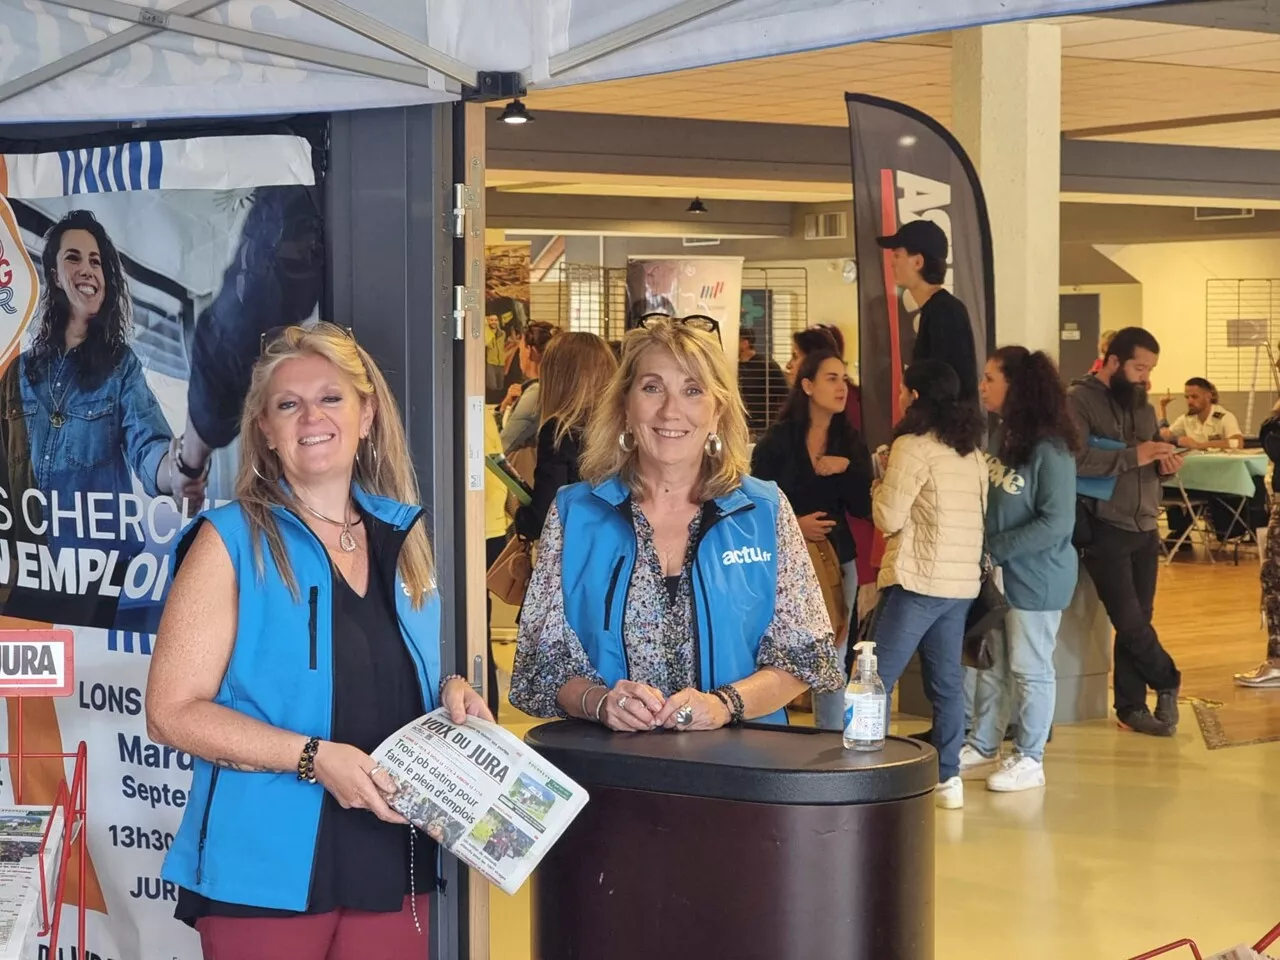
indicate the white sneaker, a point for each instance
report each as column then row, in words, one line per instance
column 949, row 795
column 1017, row 774
column 971, row 759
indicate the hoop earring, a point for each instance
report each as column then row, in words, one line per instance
column 258, row 473
column 373, row 452
column 714, row 447
column 627, row 441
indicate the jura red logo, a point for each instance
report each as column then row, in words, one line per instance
column 36, row 662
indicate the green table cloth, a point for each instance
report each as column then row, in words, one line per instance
column 1226, row 474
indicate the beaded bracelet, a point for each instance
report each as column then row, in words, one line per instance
column 307, row 762
column 445, row 682
column 732, row 699
column 724, row 699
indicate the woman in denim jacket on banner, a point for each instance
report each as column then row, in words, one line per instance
column 79, row 419
column 671, row 589
column 90, row 420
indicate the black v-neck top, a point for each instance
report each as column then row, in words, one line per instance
column 361, row 863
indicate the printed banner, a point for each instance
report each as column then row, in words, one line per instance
column 143, row 275
column 906, row 166
column 681, row 286
column 506, row 311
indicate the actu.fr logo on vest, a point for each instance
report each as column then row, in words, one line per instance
column 745, row 555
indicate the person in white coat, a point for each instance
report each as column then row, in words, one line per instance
column 930, row 507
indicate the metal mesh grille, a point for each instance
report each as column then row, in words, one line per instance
column 1242, row 318
column 775, row 304
column 582, row 297
column 1242, row 321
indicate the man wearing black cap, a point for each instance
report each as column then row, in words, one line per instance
column 919, row 251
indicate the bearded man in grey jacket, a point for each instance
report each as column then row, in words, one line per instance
column 1118, row 528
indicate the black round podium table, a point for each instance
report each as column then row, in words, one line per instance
column 757, row 842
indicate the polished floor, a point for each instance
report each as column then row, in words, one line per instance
column 1135, row 842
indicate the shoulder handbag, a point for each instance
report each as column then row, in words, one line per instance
column 508, row 578
column 987, row 610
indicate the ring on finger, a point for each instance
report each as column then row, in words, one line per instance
column 623, row 701
column 684, row 716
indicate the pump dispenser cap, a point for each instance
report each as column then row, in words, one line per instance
column 866, row 653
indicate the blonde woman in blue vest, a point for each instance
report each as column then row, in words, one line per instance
column 671, row 589
column 302, row 628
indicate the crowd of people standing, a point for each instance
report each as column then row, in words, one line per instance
column 682, row 579
column 993, row 474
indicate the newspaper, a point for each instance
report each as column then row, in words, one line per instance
column 480, row 793
column 1242, row 952
column 21, row 834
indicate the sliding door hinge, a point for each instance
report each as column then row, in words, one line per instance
column 465, row 198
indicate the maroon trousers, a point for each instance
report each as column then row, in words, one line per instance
column 338, row 935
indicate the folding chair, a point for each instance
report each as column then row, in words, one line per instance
column 1196, row 509
column 1239, row 533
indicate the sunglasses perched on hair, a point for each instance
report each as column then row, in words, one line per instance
column 698, row 321
column 268, row 337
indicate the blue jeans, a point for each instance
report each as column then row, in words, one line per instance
column 907, row 621
column 1022, row 672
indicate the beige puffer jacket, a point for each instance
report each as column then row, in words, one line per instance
column 930, row 508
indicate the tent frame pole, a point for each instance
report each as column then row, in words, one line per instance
column 403, row 44
column 634, row 33
column 182, row 19
column 95, row 51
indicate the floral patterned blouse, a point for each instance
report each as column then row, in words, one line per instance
column 657, row 630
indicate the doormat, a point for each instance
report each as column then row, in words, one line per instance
column 1236, row 724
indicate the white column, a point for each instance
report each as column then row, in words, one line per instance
column 1006, row 96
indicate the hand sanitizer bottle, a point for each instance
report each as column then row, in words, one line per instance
column 866, row 709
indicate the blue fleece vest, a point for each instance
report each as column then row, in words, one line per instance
column 735, row 578
column 250, row 838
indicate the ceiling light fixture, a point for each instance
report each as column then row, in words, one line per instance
column 697, row 206
column 515, row 112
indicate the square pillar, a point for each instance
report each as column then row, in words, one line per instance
column 1006, row 88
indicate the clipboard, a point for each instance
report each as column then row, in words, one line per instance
column 501, row 468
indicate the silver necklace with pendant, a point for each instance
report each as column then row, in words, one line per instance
column 57, row 417
column 345, row 539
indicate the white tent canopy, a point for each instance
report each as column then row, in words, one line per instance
column 63, row 60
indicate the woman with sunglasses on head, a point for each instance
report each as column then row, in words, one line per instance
column 664, row 548
column 1030, row 521
column 822, row 466
column 303, row 628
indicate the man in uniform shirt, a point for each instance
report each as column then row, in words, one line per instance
column 1205, row 426
column 919, row 251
